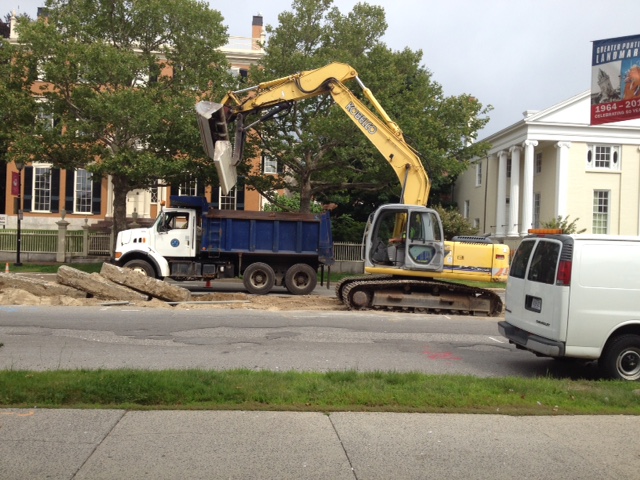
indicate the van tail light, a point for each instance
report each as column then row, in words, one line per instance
column 564, row 273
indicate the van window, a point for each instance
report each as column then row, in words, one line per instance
column 521, row 259
column 544, row 262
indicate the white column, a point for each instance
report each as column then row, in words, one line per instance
column 527, row 186
column 514, row 193
column 562, row 178
column 502, row 194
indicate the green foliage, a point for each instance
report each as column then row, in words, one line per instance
column 289, row 203
column 346, row 229
column 121, row 82
column 453, row 223
column 563, row 224
column 321, row 150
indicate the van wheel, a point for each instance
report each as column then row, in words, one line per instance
column 141, row 266
column 621, row 359
column 300, row 279
column 258, row 278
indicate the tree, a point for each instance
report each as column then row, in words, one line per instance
column 564, row 225
column 453, row 223
column 121, row 80
column 322, row 154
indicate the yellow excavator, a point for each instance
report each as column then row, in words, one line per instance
column 408, row 263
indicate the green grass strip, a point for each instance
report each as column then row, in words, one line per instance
column 330, row 392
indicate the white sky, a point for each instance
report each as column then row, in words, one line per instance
column 516, row 55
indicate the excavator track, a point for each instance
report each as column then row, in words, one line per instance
column 417, row 295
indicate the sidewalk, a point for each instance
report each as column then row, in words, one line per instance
column 118, row 444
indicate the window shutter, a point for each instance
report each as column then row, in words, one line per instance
column 69, row 191
column 28, row 189
column 55, row 190
column 96, row 196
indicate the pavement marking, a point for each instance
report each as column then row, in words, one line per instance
column 496, row 340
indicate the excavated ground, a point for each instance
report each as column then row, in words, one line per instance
column 235, row 300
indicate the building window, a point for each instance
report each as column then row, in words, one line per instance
column 153, row 191
column 478, row 174
column 508, row 168
column 465, row 209
column 41, row 189
column 536, row 210
column 269, row 165
column 189, row 189
column 229, row 201
column 600, row 211
column 538, row 164
column 476, row 223
column 603, row 157
column 82, row 196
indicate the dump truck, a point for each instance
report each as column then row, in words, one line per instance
column 191, row 241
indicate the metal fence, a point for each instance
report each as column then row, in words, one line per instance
column 46, row 242
column 99, row 244
column 347, row 252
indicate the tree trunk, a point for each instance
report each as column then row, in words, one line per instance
column 120, row 190
column 305, row 194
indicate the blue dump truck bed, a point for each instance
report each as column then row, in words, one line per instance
column 236, row 231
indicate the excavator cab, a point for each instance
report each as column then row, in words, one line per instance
column 406, row 237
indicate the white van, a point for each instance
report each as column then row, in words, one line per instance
column 577, row 296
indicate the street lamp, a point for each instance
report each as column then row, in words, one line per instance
column 19, row 166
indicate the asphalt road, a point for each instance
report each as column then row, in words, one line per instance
column 42, row 338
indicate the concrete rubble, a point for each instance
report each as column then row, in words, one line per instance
column 141, row 283
column 96, row 285
column 112, row 283
column 40, row 288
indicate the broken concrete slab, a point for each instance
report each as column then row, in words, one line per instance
column 96, row 285
column 40, row 288
column 140, row 282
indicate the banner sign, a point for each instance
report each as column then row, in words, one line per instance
column 15, row 184
column 615, row 80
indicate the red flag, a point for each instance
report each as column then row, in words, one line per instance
column 15, row 184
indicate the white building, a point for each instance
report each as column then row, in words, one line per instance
column 554, row 163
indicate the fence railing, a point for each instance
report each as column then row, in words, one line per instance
column 78, row 243
column 83, row 243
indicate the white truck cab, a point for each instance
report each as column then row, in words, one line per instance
column 577, row 296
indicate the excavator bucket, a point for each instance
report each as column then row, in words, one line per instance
column 214, row 133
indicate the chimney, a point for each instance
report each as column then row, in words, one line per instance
column 257, row 32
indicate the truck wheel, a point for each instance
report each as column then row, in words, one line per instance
column 300, row 279
column 258, row 278
column 141, row 266
column 621, row 359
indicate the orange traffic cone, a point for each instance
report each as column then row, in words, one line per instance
column 6, row 267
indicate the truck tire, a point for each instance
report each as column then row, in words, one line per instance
column 259, row 278
column 300, row 279
column 141, row 266
column 621, row 359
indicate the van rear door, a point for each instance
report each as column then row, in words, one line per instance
column 534, row 301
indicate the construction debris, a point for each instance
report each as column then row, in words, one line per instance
column 96, row 285
column 147, row 285
column 40, row 288
column 112, row 283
